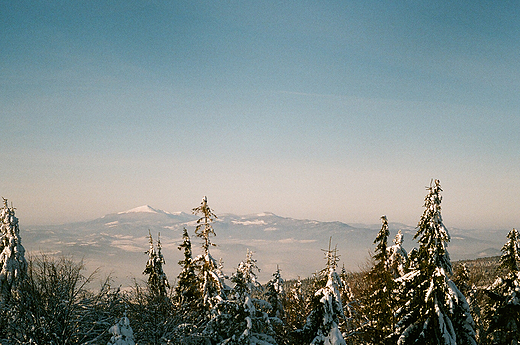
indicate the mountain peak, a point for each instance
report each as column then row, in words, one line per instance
column 265, row 214
column 143, row 209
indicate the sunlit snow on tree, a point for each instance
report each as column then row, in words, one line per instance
column 433, row 310
column 12, row 254
column 157, row 281
column 321, row 327
column 122, row 333
column 213, row 286
column 503, row 311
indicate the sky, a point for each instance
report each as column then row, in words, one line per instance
column 325, row 110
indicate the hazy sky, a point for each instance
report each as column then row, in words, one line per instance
column 328, row 110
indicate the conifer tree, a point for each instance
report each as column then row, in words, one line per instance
column 246, row 274
column 275, row 294
column 397, row 256
column 241, row 318
column 503, row 312
column 433, row 310
column 381, row 242
column 13, row 265
column 296, row 307
column 511, row 252
column 187, row 290
column 153, row 313
column 321, row 327
column 213, row 286
column 157, row 280
column 379, row 305
column 465, row 281
column 351, row 308
column 277, row 300
column 461, row 278
column 122, row 333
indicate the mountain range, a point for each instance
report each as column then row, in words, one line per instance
column 116, row 243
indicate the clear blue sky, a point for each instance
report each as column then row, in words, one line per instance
column 328, row 110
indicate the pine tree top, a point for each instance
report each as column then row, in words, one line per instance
column 186, row 245
column 381, row 252
column 204, row 229
column 511, row 252
column 332, row 257
column 433, row 235
column 157, row 280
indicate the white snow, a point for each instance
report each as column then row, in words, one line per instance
column 122, row 333
column 249, row 222
column 143, row 209
column 265, row 214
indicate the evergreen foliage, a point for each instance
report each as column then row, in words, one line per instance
column 275, row 294
column 187, row 290
column 397, row 257
column 153, row 308
column 157, row 280
column 242, row 319
column 400, row 298
column 353, row 321
column 503, row 311
column 379, row 305
column 13, row 265
column 276, row 298
column 433, row 310
column 511, row 252
column 122, row 333
column 296, row 308
column 322, row 324
column 465, row 281
column 213, row 286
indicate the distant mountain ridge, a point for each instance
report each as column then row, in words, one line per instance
column 144, row 209
column 116, row 242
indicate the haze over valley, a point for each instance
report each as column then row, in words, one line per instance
column 116, row 242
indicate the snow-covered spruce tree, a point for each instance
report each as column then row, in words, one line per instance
column 321, row 327
column 277, row 298
column 511, row 252
column 260, row 325
column 379, row 305
column 213, row 287
column 242, row 319
column 187, row 290
column 295, row 307
column 466, row 284
column 13, row 265
column 433, row 310
column 503, row 311
column 157, row 280
column 352, row 308
column 275, row 295
column 122, row 333
column 397, row 256
column 461, row 278
column 152, row 308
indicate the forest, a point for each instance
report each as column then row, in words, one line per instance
column 400, row 297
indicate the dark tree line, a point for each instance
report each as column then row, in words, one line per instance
column 400, row 298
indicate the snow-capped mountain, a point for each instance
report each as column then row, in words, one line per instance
column 116, row 242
